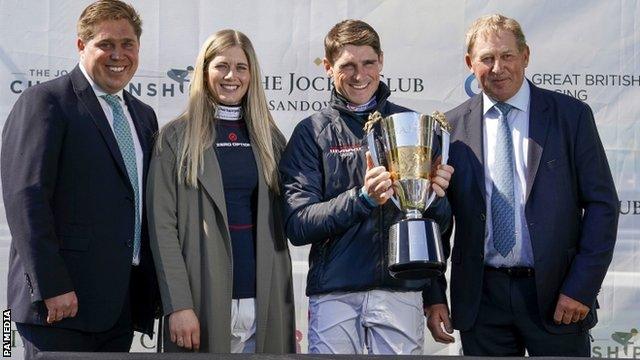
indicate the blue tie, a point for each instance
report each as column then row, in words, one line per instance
column 502, row 197
column 122, row 133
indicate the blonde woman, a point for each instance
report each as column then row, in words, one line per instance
column 222, row 260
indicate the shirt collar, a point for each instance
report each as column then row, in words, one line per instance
column 519, row 101
column 96, row 88
column 229, row 113
column 366, row 107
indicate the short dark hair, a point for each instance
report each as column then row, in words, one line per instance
column 350, row 32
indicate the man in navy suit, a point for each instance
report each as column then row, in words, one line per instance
column 535, row 210
column 75, row 152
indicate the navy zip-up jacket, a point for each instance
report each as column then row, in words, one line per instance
column 322, row 170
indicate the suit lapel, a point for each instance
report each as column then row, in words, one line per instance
column 473, row 132
column 538, row 130
column 88, row 98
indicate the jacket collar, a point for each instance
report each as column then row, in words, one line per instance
column 87, row 97
column 539, row 120
column 339, row 102
column 539, row 123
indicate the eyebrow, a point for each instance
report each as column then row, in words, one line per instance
column 113, row 40
column 491, row 53
column 353, row 63
column 225, row 62
column 347, row 64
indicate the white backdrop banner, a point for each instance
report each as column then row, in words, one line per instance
column 586, row 49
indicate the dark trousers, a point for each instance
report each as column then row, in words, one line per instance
column 38, row 338
column 509, row 323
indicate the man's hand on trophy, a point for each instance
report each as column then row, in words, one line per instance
column 441, row 177
column 377, row 182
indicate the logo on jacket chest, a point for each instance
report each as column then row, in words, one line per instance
column 345, row 149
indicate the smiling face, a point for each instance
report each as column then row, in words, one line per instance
column 498, row 64
column 355, row 72
column 229, row 76
column 111, row 56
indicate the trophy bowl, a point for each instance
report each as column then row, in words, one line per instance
column 405, row 147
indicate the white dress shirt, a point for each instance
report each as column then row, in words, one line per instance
column 108, row 112
column 518, row 120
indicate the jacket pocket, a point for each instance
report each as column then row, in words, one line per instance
column 555, row 163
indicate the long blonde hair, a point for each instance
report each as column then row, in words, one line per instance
column 199, row 118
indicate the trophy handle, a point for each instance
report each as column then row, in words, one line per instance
column 445, row 137
column 371, row 140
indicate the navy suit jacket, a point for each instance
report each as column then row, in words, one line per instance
column 571, row 208
column 70, row 208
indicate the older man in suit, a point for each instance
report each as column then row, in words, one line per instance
column 535, row 209
column 75, row 151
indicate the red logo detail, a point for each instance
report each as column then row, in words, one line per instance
column 233, row 137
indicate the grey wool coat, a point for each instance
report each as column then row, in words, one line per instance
column 192, row 252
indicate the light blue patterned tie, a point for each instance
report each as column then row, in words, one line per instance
column 122, row 133
column 502, row 197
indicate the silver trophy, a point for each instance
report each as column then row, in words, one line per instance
column 405, row 148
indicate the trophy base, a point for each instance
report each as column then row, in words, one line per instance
column 415, row 270
column 415, row 249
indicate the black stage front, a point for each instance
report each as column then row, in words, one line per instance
column 189, row 356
